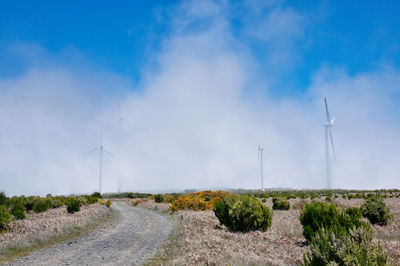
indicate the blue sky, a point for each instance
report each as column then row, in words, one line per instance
column 199, row 85
column 356, row 35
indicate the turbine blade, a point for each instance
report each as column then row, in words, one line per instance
column 109, row 153
column 328, row 118
column 333, row 147
column 95, row 149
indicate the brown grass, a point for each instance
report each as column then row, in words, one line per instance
column 40, row 230
column 199, row 239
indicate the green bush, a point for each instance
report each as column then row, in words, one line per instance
column 29, row 202
column 41, row 205
column 18, row 210
column 264, row 200
column 56, row 203
column 158, row 198
column 91, row 199
column 321, row 215
column 4, row 216
column 73, row 205
column 375, row 210
column 354, row 213
column 3, row 198
column 354, row 248
column 328, row 198
column 243, row 213
column 280, row 204
column 97, row 195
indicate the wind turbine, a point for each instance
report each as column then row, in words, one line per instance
column 120, row 116
column 260, row 155
column 101, row 149
column 121, row 120
column 328, row 144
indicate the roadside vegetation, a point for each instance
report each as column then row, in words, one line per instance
column 242, row 227
column 28, row 223
column 315, row 227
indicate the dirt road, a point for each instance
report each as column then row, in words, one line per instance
column 130, row 239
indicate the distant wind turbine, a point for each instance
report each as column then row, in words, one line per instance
column 260, row 155
column 101, row 149
column 329, row 145
column 121, row 120
column 120, row 116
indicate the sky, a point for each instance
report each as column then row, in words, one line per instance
column 183, row 92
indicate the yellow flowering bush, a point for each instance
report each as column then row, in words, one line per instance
column 108, row 203
column 199, row 201
column 136, row 202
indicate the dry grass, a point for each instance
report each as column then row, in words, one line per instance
column 200, row 240
column 44, row 229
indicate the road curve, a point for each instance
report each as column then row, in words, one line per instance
column 130, row 239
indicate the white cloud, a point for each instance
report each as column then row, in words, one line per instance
column 192, row 123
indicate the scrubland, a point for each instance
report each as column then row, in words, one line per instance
column 200, row 239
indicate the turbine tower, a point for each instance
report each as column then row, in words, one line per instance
column 260, row 155
column 328, row 145
column 101, row 149
column 121, row 120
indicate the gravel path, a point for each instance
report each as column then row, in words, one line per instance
column 130, row 239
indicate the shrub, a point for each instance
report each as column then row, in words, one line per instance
column 30, row 202
column 264, row 200
column 189, row 203
column 73, row 205
column 4, row 216
column 18, row 210
column 168, row 198
column 136, row 202
column 97, row 195
column 90, row 199
column 3, row 198
column 200, row 201
column 243, row 213
column 158, row 198
column 41, row 205
column 280, row 204
column 375, row 210
column 354, row 248
column 354, row 212
column 108, row 203
column 56, row 203
column 321, row 215
column 328, row 198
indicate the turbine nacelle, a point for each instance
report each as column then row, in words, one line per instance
column 330, row 123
